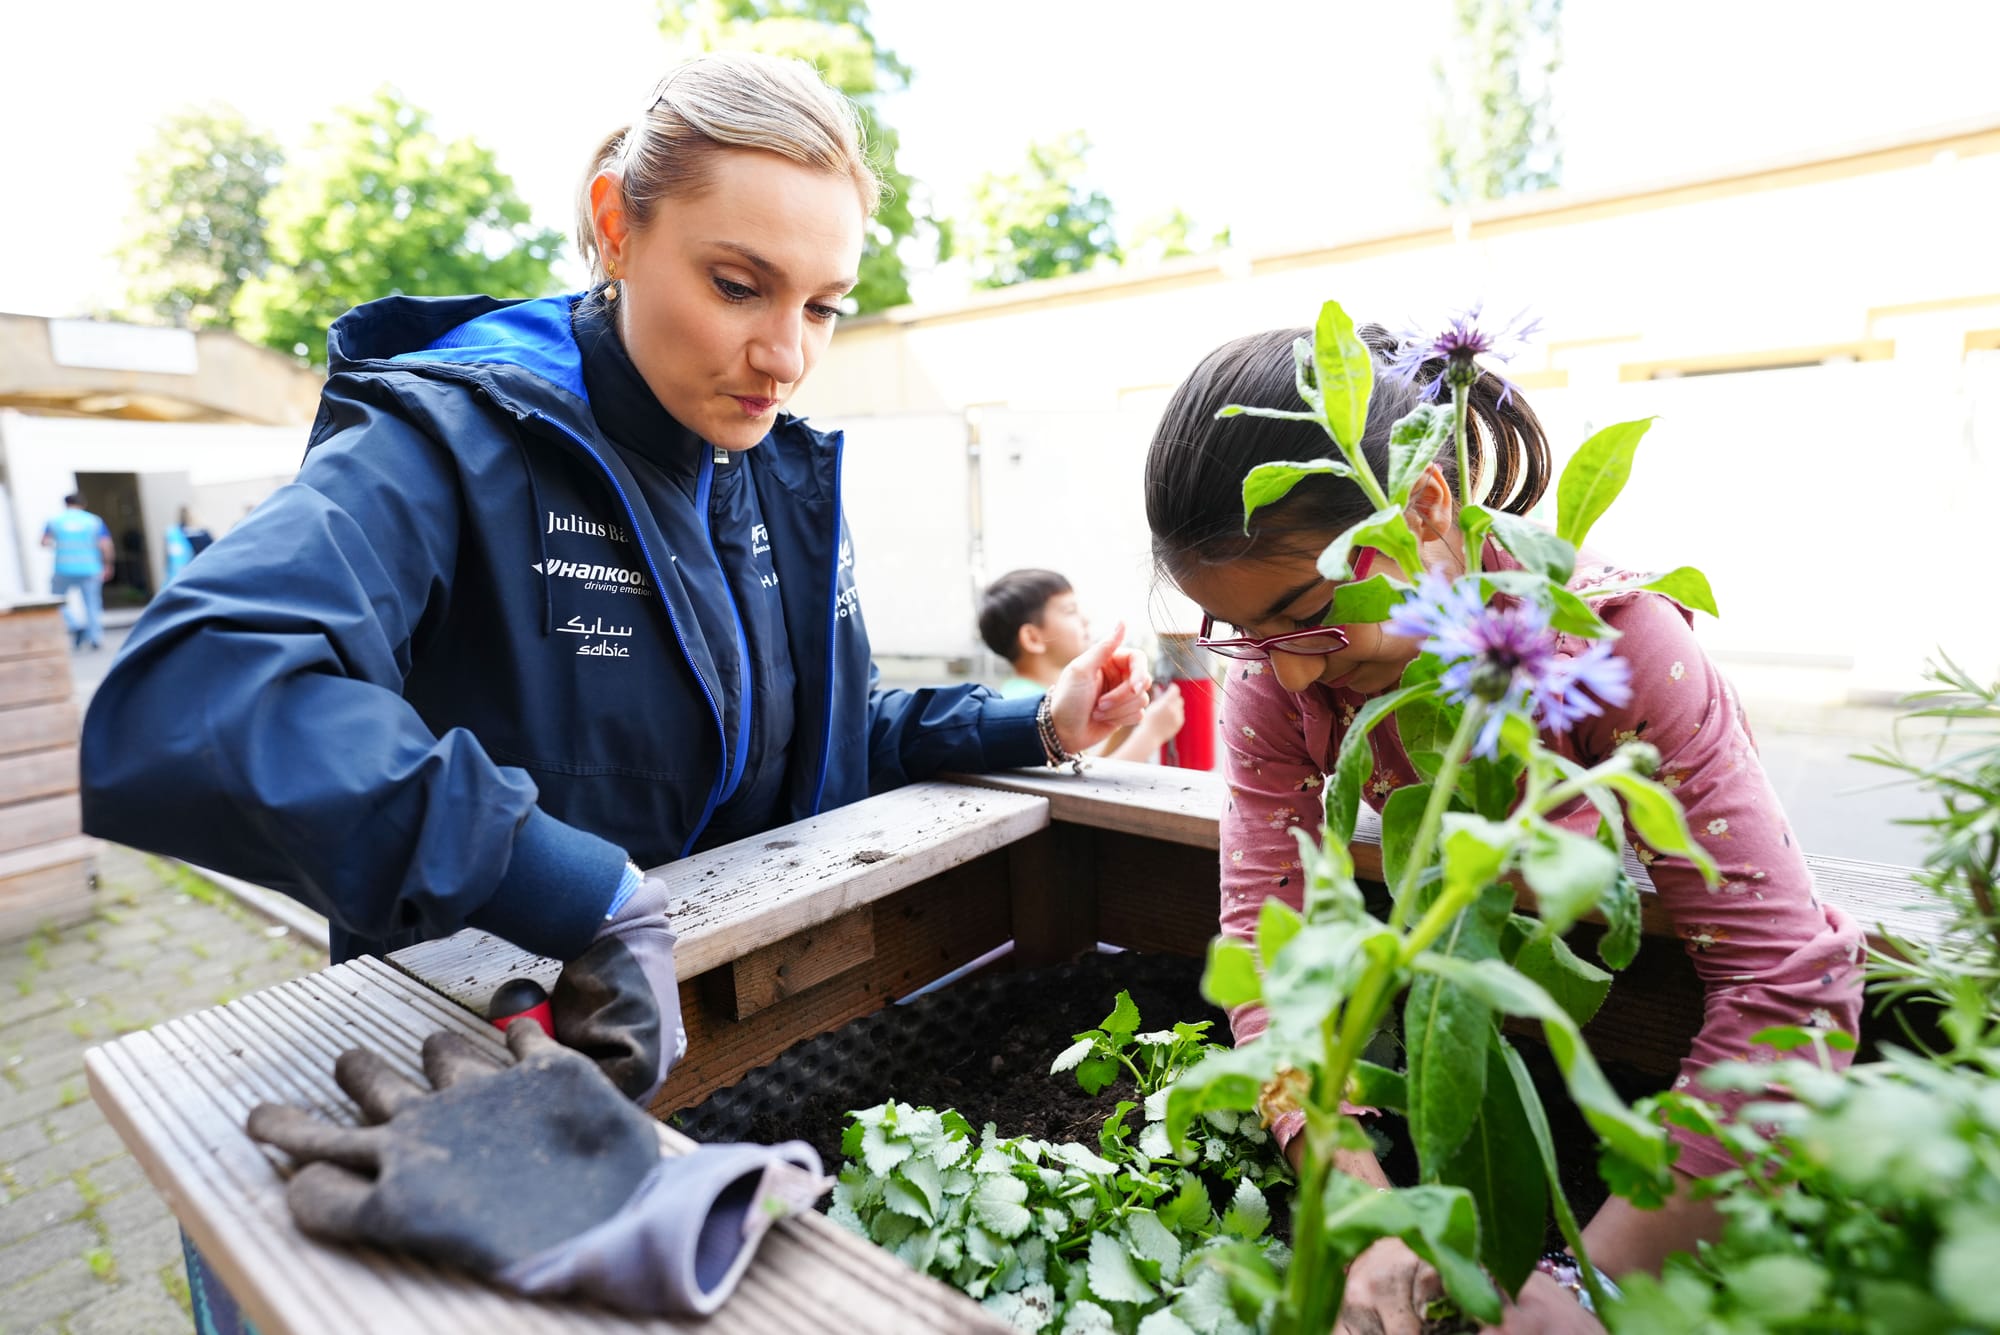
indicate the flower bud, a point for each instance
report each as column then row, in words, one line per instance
column 1644, row 757
column 1490, row 681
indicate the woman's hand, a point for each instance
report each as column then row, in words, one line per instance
column 1103, row 689
column 1545, row 1306
column 1387, row 1288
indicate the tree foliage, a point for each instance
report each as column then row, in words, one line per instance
column 833, row 36
column 384, row 206
column 1495, row 135
column 1169, row 236
column 197, row 229
column 1040, row 221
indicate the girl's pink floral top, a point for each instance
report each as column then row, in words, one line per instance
column 1768, row 952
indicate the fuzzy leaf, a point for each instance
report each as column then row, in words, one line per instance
column 1438, row 1223
column 1096, row 1073
column 1401, row 815
column 1231, row 976
column 1506, row 1184
column 1578, row 986
column 1363, row 602
column 1568, row 873
column 1535, row 547
column 1123, row 1021
column 1372, row 1086
column 1415, row 443
column 1627, row 1134
column 1345, row 372
column 997, row 1205
column 1688, row 587
column 1152, row 1240
column 1659, row 820
column 1087, row 1318
column 1356, row 761
column 1593, row 478
column 1076, row 1156
column 1225, row 1078
column 1266, row 484
column 903, row 1198
column 1113, row 1277
column 1067, row 1059
column 882, row 1154
column 923, row 1174
column 1248, row 1214
column 1277, row 923
column 1447, row 1031
column 1188, row 1209
column 1529, row 1101
column 1164, row 1322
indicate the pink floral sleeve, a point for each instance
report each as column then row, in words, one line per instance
column 1766, row 950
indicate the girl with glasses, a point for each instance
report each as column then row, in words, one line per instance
column 1767, row 952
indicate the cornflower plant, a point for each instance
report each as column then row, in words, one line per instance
column 1470, row 710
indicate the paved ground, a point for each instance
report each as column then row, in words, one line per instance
column 86, row 1246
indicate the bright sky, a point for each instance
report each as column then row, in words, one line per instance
column 1222, row 109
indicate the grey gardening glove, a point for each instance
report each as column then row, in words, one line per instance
column 539, row 1176
column 618, row 1003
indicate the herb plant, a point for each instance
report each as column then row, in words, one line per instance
column 1871, row 1202
column 1469, row 711
column 1060, row 1237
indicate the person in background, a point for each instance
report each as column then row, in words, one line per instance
column 1032, row 619
column 84, row 557
column 185, row 540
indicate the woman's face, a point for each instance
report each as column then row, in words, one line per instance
column 1270, row 595
column 728, row 297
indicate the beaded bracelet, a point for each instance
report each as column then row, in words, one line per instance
column 1054, row 753
column 1561, row 1267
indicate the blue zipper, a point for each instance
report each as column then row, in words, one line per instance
column 703, row 490
column 832, row 620
column 660, row 587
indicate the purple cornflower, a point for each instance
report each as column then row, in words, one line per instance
column 1507, row 657
column 1461, row 344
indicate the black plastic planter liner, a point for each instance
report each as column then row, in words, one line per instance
column 982, row 1045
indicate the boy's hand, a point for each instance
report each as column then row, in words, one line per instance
column 1103, row 689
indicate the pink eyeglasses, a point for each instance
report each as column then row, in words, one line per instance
column 1318, row 640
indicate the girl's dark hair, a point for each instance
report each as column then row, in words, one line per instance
column 1196, row 466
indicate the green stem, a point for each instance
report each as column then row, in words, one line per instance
column 1311, row 1298
column 1441, row 790
column 1459, row 395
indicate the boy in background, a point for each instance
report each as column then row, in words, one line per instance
column 1031, row 619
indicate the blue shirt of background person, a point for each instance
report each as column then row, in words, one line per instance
column 83, row 561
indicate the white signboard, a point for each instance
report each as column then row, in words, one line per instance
column 103, row 346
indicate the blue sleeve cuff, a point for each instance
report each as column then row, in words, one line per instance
column 554, row 893
column 1007, row 732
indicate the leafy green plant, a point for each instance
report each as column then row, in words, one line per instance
column 1469, row 710
column 1056, row 1236
column 1871, row 1202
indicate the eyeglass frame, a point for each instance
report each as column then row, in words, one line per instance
column 1263, row 647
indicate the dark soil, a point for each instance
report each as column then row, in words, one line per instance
column 984, row 1044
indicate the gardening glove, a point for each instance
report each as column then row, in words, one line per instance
column 618, row 1003
column 537, row 1175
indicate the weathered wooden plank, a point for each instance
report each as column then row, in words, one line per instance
column 38, row 727
column 1052, row 877
column 765, row 977
column 26, row 632
column 31, row 774
column 178, row 1095
column 76, row 848
column 41, row 821
column 1185, row 807
column 1179, row 806
column 47, row 896
column 733, row 900
column 921, row 933
column 38, row 680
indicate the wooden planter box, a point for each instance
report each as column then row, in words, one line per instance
column 783, row 936
column 45, row 860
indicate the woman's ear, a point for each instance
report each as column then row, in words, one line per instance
column 1431, row 511
column 607, row 216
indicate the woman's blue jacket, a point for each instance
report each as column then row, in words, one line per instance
column 451, row 674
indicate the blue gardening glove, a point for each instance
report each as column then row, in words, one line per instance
column 618, row 1003
column 539, row 1176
